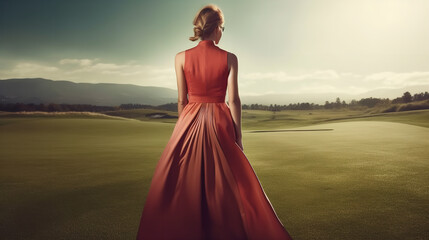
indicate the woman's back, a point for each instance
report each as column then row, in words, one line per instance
column 206, row 71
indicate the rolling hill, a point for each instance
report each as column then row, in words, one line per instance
column 39, row 90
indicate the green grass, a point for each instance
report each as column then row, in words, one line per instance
column 258, row 119
column 87, row 177
column 82, row 178
column 362, row 180
column 140, row 114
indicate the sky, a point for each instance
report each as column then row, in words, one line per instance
column 305, row 46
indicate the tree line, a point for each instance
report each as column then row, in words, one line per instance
column 53, row 107
column 337, row 104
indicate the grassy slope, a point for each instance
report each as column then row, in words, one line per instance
column 363, row 180
column 140, row 114
column 82, row 178
column 254, row 119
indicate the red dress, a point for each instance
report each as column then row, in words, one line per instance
column 204, row 186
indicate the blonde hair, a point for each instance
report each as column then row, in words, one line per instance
column 208, row 18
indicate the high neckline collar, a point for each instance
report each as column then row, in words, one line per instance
column 206, row 42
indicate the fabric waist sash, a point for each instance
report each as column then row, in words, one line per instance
column 196, row 98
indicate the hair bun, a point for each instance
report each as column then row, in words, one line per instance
column 206, row 21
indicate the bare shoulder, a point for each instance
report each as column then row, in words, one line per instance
column 180, row 58
column 232, row 60
column 180, row 55
column 232, row 57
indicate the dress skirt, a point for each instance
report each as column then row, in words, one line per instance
column 204, row 187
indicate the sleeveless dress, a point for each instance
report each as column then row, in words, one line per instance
column 204, row 186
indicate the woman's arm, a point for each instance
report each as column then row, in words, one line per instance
column 182, row 100
column 234, row 101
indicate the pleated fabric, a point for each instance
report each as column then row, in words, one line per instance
column 203, row 186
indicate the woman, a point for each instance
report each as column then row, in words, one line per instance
column 203, row 186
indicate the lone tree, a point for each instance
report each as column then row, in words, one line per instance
column 406, row 98
column 338, row 102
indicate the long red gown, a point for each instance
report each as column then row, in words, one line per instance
column 204, row 186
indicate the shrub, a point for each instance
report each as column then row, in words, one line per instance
column 414, row 106
column 392, row 108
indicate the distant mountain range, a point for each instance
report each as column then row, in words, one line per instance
column 40, row 90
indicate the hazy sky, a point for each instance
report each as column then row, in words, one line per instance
column 283, row 46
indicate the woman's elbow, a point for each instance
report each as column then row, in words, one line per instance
column 235, row 101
